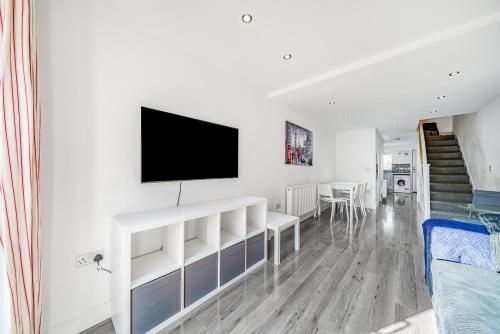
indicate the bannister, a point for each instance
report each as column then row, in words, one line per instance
column 424, row 194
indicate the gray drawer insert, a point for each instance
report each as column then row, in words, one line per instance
column 232, row 262
column 200, row 278
column 156, row 301
column 255, row 249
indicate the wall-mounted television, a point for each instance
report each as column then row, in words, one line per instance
column 175, row 148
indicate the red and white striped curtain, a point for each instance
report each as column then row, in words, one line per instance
column 20, row 242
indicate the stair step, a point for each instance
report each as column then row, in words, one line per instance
column 451, row 197
column 443, row 149
column 447, row 215
column 437, row 138
column 448, row 171
column 446, row 163
column 453, row 207
column 430, row 133
column 444, row 156
column 449, row 179
column 452, row 187
column 436, row 143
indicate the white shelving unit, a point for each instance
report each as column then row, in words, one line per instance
column 162, row 243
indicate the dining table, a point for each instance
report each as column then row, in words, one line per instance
column 351, row 188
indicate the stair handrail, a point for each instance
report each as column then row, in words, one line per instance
column 424, row 192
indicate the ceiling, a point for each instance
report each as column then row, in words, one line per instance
column 383, row 62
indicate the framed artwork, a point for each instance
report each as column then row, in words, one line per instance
column 298, row 145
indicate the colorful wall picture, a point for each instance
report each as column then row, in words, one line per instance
column 298, row 145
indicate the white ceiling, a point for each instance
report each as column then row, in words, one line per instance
column 382, row 61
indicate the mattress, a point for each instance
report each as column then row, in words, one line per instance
column 466, row 299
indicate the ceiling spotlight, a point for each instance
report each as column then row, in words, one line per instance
column 452, row 74
column 434, row 111
column 346, row 115
column 332, row 102
column 287, row 56
column 441, row 97
column 246, row 18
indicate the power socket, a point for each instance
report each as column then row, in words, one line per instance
column 86, row 259
column 278, row 206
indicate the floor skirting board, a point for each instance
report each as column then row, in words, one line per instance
column 82, row 321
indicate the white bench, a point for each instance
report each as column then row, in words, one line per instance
column 278, row 222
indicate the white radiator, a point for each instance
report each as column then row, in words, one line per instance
column 301, row 200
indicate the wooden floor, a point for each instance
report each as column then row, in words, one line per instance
column 369, row 281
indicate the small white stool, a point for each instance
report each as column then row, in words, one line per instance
column 278, row 222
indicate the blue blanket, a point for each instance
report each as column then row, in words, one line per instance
column 455, row 241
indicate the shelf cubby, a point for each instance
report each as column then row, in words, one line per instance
column 155, row 253
column 201, row 238
column 255, row 219
column 232, row 226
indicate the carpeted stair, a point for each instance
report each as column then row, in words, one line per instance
column 449, row 183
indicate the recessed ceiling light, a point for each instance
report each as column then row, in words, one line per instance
column 288, row 56
column 441, row 97
column 246, row 18
column 434, row 111
column 332, row 102
column 346, row 115
column 452, row 74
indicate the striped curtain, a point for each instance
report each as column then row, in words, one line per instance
column 20, row 241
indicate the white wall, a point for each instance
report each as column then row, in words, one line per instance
column 380, row 162
column 355, row 160
column 401, row 154
column 100, row 62
column 479, row 139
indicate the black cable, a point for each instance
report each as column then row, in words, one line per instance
column 180, row 192
column 98, row 258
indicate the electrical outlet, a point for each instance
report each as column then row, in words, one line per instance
column 86, row 259
column 278, row 206
column 490, row 169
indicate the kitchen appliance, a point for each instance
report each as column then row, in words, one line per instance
column 402, row 183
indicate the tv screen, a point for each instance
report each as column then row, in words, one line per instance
column 175, row 147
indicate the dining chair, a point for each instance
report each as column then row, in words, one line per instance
column 325, row 194
column 362, row 198
column 356, row 196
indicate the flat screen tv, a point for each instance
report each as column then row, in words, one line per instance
column 175, row 148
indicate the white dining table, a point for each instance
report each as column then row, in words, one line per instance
column 351, row 187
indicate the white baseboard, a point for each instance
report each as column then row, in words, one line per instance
column 82, row 321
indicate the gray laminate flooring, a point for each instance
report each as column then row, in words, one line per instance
column 367, row 281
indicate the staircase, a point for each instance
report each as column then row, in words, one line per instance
column 449, row 182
